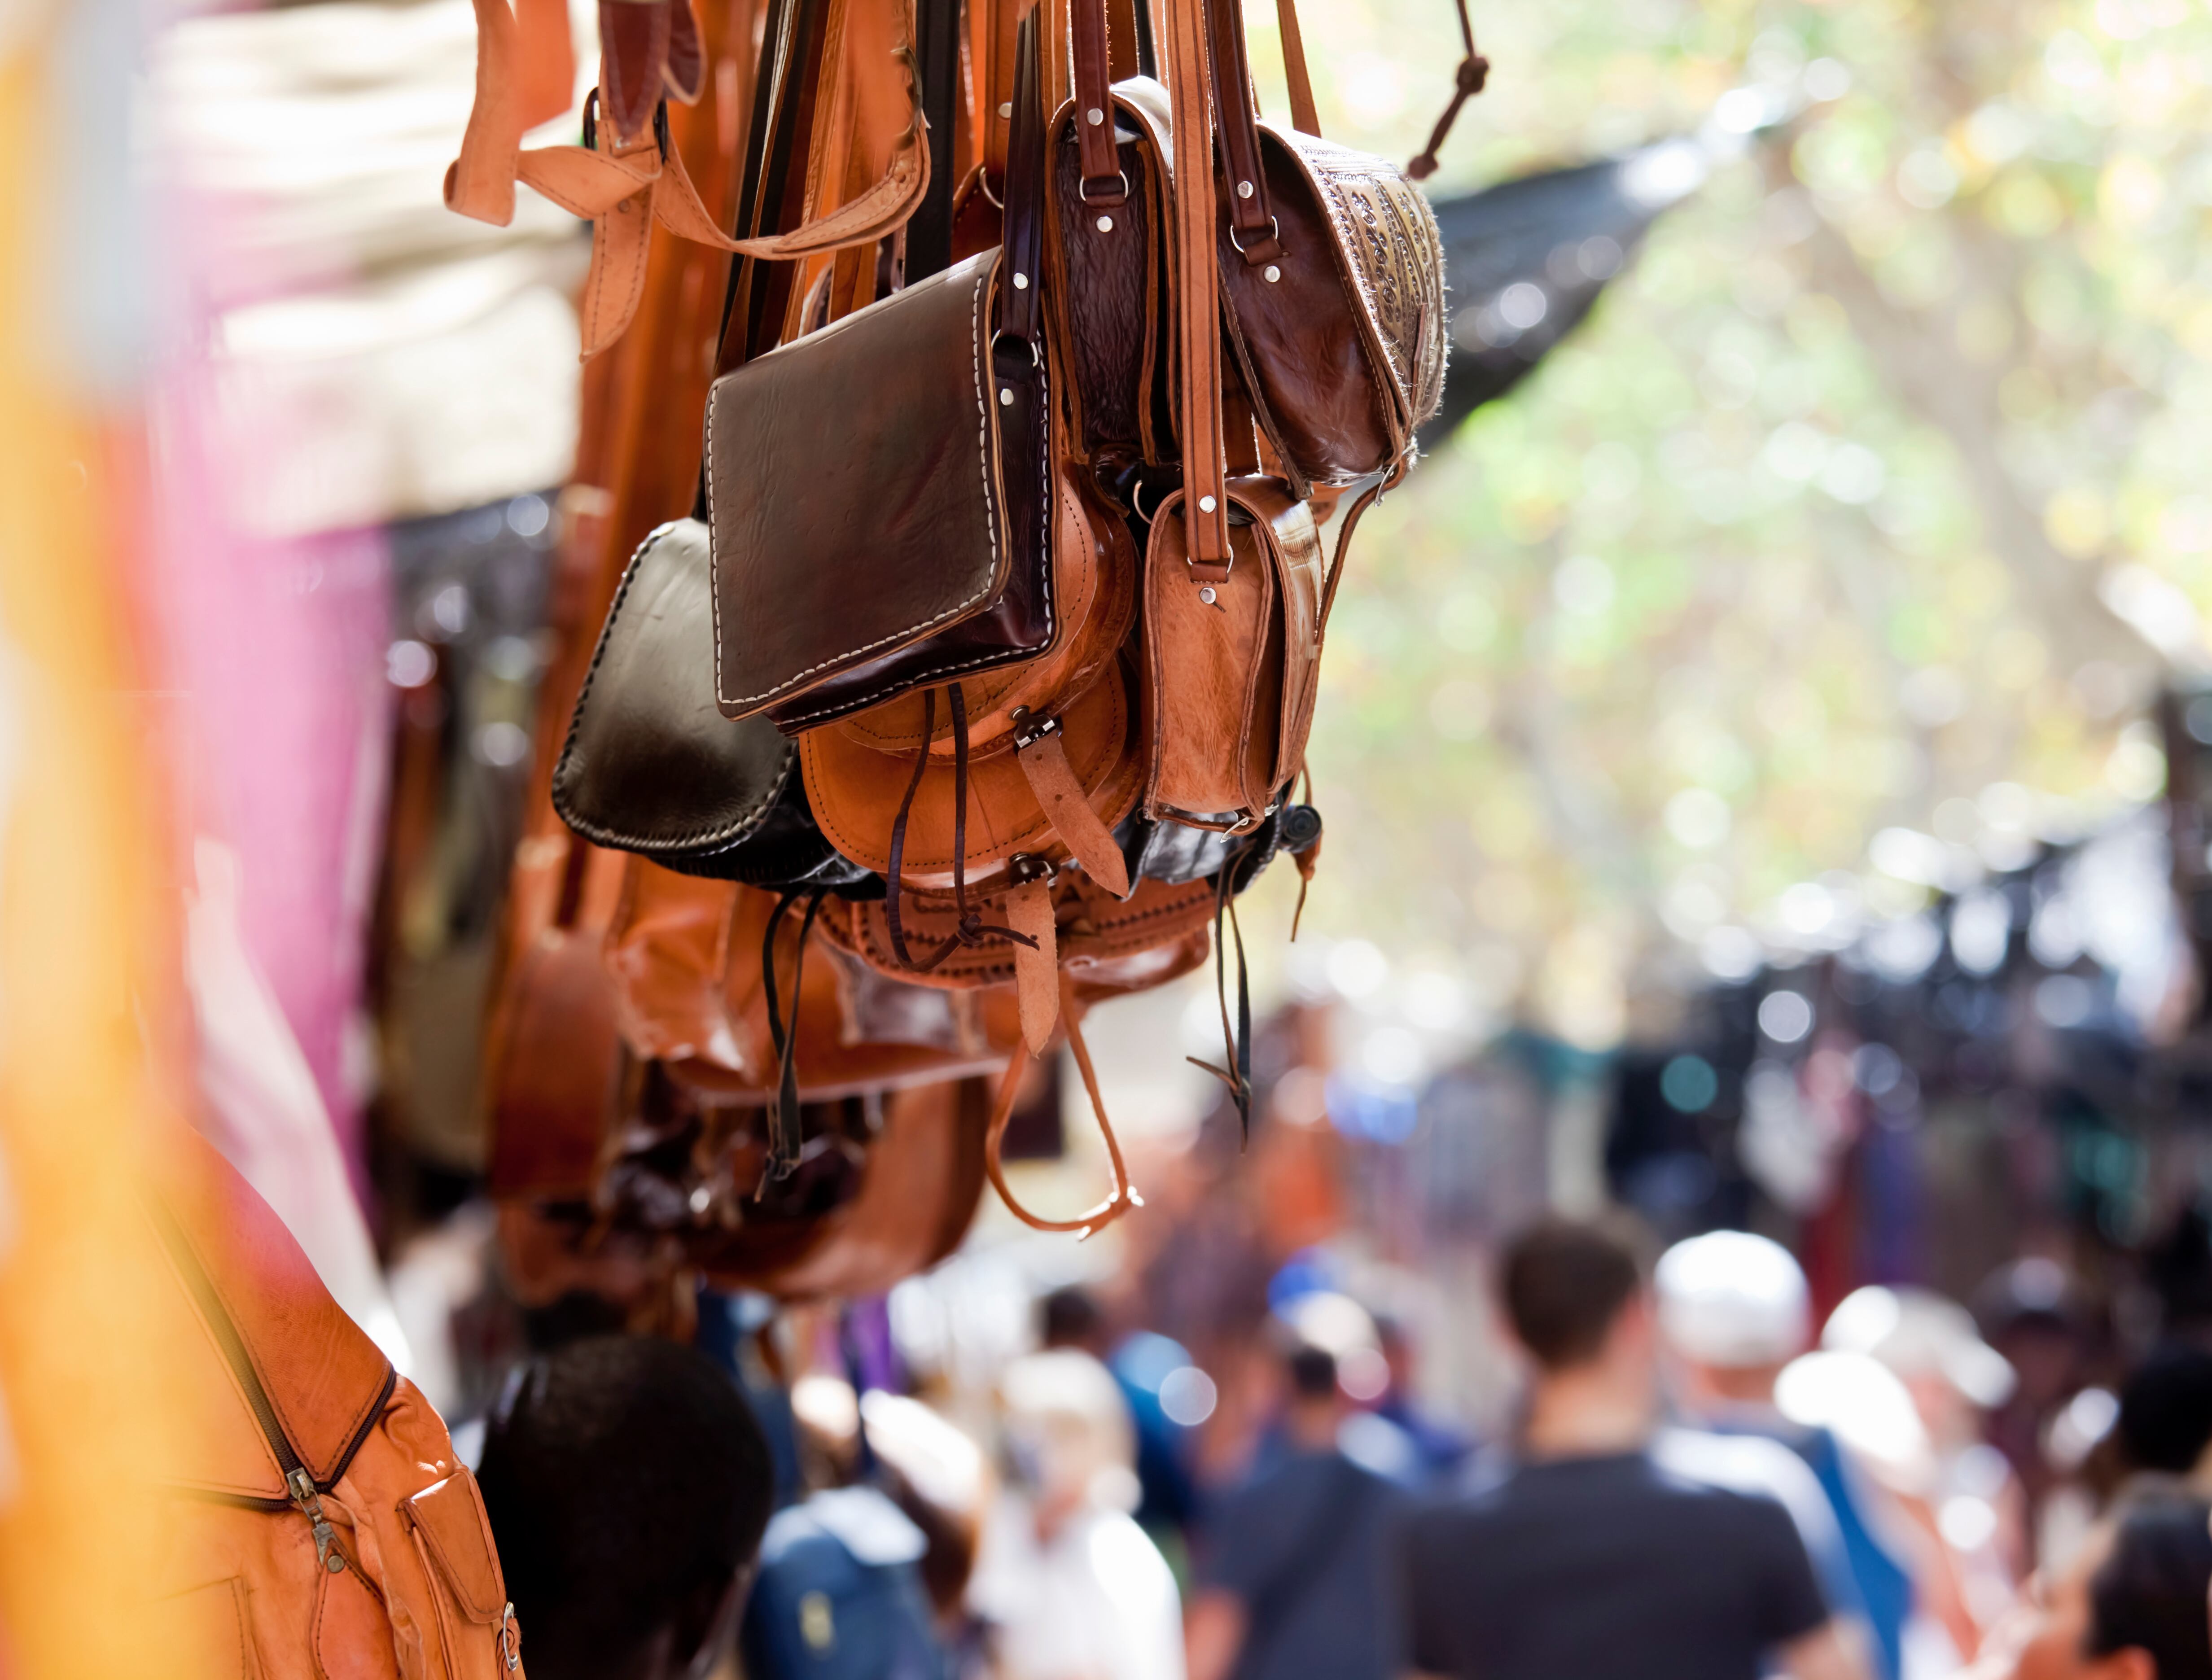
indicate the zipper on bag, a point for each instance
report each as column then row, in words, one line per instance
column 303, row 1493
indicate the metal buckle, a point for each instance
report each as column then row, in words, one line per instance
column 1029, row 728
column 1025, row 867
column 1083, row 189
column 592, row 124
column 1274, row 233
column 509, row 1638
column 1028, row 344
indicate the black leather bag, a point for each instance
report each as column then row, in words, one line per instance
column 652, row 767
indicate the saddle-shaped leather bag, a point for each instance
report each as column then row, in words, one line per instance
column 880, row 490
column 651, row 766
column 1332, row 277
column 1331, row 267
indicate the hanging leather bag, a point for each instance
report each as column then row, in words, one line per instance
column 880, row 494
column 1332, row 278
column 1233, row 572
column 651, row 766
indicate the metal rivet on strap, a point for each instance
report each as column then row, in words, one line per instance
column 1205, row 503
column 1006, row 111
column 1005, row 396
column 1271, row 271
column 1094, row 116
column 1206, row 595
column 1243, row 189
column 1105, row 224
column 1021, row 283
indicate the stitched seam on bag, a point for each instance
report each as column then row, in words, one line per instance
column 990, row 521
column 730, row 834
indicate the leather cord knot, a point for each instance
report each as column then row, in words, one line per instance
column 1473, row 74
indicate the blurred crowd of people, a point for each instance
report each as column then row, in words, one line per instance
column 1697, row 1479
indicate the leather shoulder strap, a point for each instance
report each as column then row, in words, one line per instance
column 1305, row 116
column 1197, row 308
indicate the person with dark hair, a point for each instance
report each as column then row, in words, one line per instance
column 628, row 1487
column 1587, row 1558
column 2165, row 1412
column 1071, row 1317
column 2130, row 1606
column 1294, row 1576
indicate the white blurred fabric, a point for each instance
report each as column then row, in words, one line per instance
column 264, row 1111
column 1094, row 1602
column 375, row 356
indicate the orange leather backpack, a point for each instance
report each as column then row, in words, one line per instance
column 322, row 1527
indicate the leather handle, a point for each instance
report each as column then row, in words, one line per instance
column 1198, row 308
column 1003, row 77
column 1305, row 116
column 1023, row 257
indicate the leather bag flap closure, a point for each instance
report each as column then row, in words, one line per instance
column 856, row 490
column 449, row 1518
column 650, row 764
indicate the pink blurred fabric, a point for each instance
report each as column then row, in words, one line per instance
column 273, row 652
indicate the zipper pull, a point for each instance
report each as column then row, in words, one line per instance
column 311, row 1507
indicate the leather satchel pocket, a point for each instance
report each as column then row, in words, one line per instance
column 880, row 507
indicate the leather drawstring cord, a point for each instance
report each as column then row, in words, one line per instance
column 1236, row 1041
column 1303, row 861
column 1473, row 71
column 785, row 1139
column 1123, row 1197
column 971, row 928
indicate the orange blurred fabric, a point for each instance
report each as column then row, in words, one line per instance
column 90, row 1006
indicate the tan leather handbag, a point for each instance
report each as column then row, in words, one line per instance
column 324, row 1525
column 1233, row 574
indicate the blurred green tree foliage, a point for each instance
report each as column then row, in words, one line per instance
column 1873, row 496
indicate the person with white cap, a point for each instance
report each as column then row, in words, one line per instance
column 1931, row 1344
column 1067, row 1585
column 1733, row 1310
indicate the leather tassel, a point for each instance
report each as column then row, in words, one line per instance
column 1237, row 1036
column 1306, row 861
column 786, row 1138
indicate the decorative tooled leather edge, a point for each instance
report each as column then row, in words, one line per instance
column 722, row 838
column 828, row 668
column 1392, row 384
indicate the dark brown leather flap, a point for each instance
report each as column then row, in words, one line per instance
column 855, row 490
